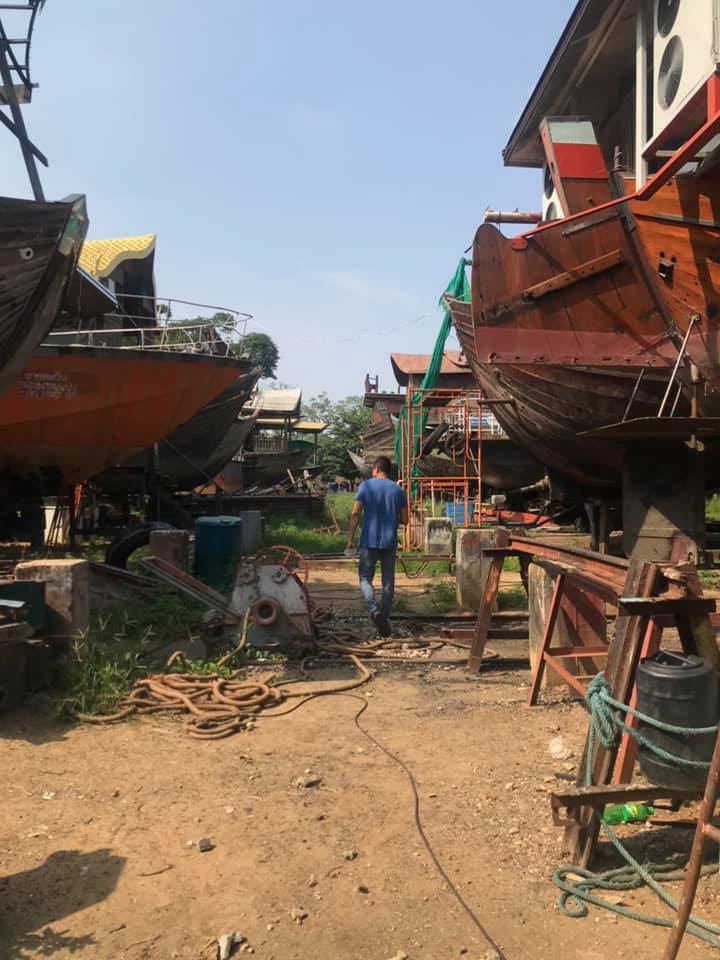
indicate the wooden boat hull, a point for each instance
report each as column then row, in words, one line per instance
column 199, row 448
column 564, row 320
column 74, row 411
column 260, row 469
column 39, row 247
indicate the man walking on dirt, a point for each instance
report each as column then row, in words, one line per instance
column 383, row 506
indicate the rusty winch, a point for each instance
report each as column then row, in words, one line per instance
column 273, row 588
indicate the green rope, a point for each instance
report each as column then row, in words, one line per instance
column 605, row 726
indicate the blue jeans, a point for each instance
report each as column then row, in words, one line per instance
column 367, row 559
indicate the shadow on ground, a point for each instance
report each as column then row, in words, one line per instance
column 68, row 881
column 34, row 722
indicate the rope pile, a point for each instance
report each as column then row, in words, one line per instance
column 606, row 725
column 218, row 705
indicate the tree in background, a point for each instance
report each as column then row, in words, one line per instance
column 346, row 419
column 263, row 352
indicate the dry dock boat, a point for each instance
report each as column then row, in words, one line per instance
column 198, row 449
column 39, row 246
column 75, row 410
column 608, row 310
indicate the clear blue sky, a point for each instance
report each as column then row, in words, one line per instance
column 321, row 165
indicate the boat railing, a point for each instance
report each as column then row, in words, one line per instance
column 220, row 340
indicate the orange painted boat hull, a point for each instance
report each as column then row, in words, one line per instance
column 75, row 411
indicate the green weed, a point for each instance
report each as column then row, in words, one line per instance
column 712, row 507
column 514, row 598
column 441, row 596
column 119, row 646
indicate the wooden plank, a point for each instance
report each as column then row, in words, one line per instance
column 482, row 624
column 643, row 580
column 569, row 277
column 627, row 753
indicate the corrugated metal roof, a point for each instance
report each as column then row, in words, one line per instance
column 285, row 402
column 101, row 257
column 309, row 426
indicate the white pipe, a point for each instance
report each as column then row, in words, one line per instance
column 641, row 93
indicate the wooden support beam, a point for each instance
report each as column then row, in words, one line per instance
column 548, row 632
column 643, row 580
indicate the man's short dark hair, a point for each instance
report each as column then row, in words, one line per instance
column 383, row 465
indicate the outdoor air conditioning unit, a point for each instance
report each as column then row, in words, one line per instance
column 551, row 206
column 685, row 54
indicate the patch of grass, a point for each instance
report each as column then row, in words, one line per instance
column 119, row 646
column 712, row 507
column 427, row 568
column 710, row 578
column 441, row 596
column 302, row 535
column 341, row 504
column 400, row 605
column 512, row 565
column 514, row 598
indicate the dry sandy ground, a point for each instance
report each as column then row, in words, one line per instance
column 95, row 824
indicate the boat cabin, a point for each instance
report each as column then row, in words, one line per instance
column 630, row 86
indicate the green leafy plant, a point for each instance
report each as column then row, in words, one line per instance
column 514, row 598
column 441, row 596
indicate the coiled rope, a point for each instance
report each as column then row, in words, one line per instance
column 606, row 724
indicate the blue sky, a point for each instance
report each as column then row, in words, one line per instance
column 321, row 165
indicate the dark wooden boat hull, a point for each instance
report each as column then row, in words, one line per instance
column 39, row 247
column 564, row 319
column 74, row 411
column 260, row 469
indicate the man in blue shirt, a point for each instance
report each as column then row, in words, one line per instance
column 383, row 506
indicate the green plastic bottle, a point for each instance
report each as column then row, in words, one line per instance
column 627, row 813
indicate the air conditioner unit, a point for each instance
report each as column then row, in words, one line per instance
column 685, row 54
column 551, row 206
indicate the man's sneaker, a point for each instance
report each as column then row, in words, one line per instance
column 382, row 623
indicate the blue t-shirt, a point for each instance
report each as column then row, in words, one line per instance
column 382, row 502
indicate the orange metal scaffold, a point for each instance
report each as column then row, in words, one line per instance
column 453, row 476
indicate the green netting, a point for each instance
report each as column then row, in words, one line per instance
column 411, row 418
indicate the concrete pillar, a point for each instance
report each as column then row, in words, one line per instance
column 471, row 567
column 251, row 531
column 67, row 592
column 438, row 536
column 171, row 545
column 581, row 622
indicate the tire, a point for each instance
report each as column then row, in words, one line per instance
column 130, row 540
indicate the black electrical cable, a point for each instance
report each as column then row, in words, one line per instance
column 418, row 823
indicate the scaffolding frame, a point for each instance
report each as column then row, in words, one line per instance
column 461, row 484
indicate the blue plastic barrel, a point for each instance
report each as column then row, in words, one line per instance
column 218, row 548
column 456, row 512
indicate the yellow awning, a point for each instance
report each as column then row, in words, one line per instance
column 101, row 257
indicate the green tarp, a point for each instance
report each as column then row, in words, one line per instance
column 458, row 289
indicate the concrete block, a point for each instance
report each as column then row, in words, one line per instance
column 67, row 591
column 438, row 536
column 251, row 531
column 171, row 545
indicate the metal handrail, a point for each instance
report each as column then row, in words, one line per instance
column 180, row 338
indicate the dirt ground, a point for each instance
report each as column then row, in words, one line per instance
column 97, row 826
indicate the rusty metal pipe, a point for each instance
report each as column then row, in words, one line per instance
column 510, row 216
